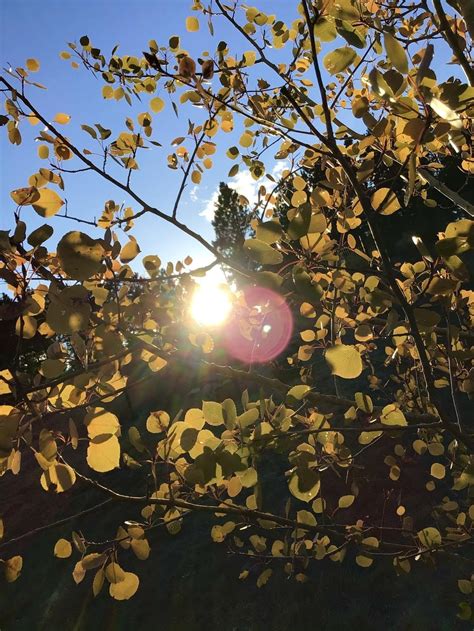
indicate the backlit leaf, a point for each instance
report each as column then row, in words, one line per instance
column 430, row 537
column 345, row 501
column 385, row 201
column 157, row 104
column 339, row 59
column 345, row 361
column 126, row 588
column 48, row 202
column 396, row 53
column 192, row 24
column 80, row 255
column 62, row 119
column 62, row 549
column 33, row 65
column 103, row 455
column 262, row 252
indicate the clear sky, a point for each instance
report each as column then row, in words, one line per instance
column 41, row 30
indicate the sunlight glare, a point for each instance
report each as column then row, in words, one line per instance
column 211, row 304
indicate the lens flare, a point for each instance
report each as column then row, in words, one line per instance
column 211, row 304
column 260, row 328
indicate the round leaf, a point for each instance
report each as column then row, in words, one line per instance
column 79, row 255
column 345, row 361
column 125, row 589
column 103, row 455
column 62, row 549
column 339, row 59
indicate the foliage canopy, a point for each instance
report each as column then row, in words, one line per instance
column 364, row 412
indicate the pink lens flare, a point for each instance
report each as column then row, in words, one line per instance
column 260, row 328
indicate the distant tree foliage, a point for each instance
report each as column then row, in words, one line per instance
column 231, row 223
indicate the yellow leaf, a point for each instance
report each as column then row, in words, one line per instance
column 158, row 422
column 114, row 573
column 13, row 568
column 62, row 119
column 126, row 588
column 103, row 455
column 108, row 92
column 250, row 57
column 100, row 422
column 59, row 477
column 141, row 547
column 25, row 196
column 48, row 202
column 157, row 104
column 157, row 363
column 196, row 177
column 26, row 327
column 79, row 255
column 246, row 139
column 345, row 361
column 364, row 561
column 192, row 24
column 129, row 251
column 438, row 470
column 385, row 201
column 396, row 53
column 78, row 573
column 444, row 111
column 33, row 65
column 62, row 549
column 391, row 415
column 345, row 501
column 43, row 152
column 430, row 537
column 298, row 198
column 299, row 183
column 98, row 581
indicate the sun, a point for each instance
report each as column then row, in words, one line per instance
column 211, row 304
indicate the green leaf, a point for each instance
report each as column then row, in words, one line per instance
column 340, row 59
column 269, row 232
column 325, row 29
column 396, row 53
column 300, row 223
column 312, row 292
column 262, row 252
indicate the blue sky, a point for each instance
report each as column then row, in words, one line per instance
column 42, row 30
